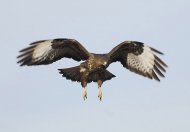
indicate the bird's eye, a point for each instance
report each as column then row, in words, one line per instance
column 105, row 63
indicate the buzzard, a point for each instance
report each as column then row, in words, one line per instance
column 133, row 55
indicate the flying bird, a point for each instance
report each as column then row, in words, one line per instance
column 133, row 55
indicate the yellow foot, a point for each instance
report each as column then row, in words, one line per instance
column 84, row 93
column 100, row 93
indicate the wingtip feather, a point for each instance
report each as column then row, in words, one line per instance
column 157, row 51
column 155, row 76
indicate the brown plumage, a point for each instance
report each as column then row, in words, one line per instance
column 133, row 55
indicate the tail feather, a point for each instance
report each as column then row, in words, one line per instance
column 101, row 75
column 72, row 73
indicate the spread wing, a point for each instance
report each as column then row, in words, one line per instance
column 48, row 51
column 139, row 58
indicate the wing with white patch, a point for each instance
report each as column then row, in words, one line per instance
column 139, row 58
column 48, row 51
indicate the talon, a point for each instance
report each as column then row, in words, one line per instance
column 84, row 93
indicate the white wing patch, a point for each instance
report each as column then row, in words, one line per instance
column 42, row 50
column 143, row 64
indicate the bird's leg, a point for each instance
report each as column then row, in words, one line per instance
column 84, row 93
column 84, row 84
column 99, row 89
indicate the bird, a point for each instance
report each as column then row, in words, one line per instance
column 133, row 55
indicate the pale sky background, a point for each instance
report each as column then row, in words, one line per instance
column 38, row 99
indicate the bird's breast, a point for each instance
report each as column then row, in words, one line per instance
column 91, row 64
column 95, row 62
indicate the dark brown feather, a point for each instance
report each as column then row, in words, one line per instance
column 155, row 76
column 28, row 48
column 102, row 75
column 160, row 61
column 25, row 54
column 159, row 66
column 37, row 42
column 158, row 71
column 156, row 51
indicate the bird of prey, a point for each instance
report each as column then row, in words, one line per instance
column 133, row 55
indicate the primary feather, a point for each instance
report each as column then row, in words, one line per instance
column 49, row 51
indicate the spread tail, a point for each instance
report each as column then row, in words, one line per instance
column 74, row 74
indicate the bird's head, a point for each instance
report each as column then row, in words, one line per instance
column 103, row 61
